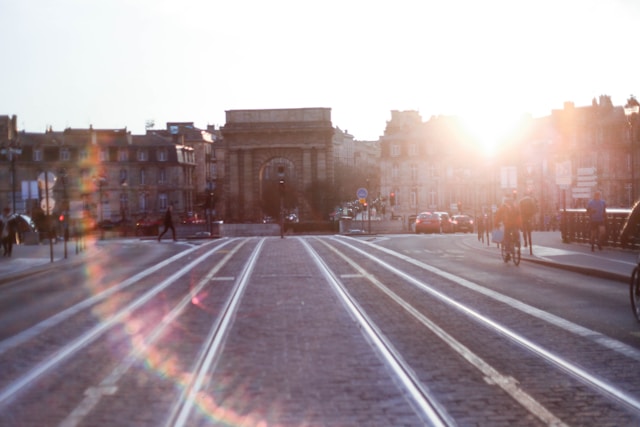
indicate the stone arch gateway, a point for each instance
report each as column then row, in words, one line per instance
column 258, row 144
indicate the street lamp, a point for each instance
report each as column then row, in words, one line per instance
column 100, row 180
column 12, row 151
column 124, row 205
column 281, row 189
column 631, row 111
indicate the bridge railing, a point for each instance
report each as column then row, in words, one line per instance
column 574, row 226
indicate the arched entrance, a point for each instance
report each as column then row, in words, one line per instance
column 271, row 189
column 258, row 143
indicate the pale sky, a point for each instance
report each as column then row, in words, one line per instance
column 119, row 63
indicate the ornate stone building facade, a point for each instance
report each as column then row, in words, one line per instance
column 264, row 146
column 108, row 174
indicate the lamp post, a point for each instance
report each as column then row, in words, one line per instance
column 100, row 180
column 12, row 152
column 631, row 111
column 281, row 189
column 124, row 205
column 64, row 216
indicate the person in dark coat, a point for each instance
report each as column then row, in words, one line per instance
column 7, row 232
column 168, row 224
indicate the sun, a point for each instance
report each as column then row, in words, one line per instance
column 490, row 131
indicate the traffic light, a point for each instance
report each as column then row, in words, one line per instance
column 392, row 199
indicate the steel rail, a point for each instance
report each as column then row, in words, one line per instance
column 179, row 415
column 432, row 411
column 591, row 380
column 109, row 384
column 11, row 391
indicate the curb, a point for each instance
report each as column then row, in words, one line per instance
column 602, row 274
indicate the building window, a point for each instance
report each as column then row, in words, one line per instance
column 65, row 154
column 123, row 176
column 104, row 155
column 143, row 177
column 395, row 150
column 142, row 202
column 84, row 154
column 37, row 154
column 162, row 155
column 414, row 173
column 123, row 155
column 163, row 201
column 394, row 172
column 143, row 155
column 413, row 150
column 162, row 176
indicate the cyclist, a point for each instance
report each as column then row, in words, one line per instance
column 509, row 215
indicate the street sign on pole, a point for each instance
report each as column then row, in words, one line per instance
column 48, row 180
column 563, row 173
column 47, row 205
column 362, row 193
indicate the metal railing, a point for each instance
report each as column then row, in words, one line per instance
column 575, row 227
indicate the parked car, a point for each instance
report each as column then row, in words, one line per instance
column 191, row 218
column 427, row 222
column 106, row 224
column 446, row 224
column 462, row 223
column 148, row 226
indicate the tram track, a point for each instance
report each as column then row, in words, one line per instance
column 71, row 347
column 309, row 330
column 595, row 382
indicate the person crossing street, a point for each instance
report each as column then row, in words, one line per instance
column 168, row 224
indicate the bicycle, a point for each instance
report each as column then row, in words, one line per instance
column 634, row 290
column 510, row 248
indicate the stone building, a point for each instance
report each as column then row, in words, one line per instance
column 208, row 172
column 435, row 165
column 108, row 174
column 264, row 147
column 427, row 166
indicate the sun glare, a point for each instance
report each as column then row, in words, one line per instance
column 490, row 132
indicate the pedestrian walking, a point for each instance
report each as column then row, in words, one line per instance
column 528, row 209
column 7, row 233
column 168, row 224
column 597, row 211
column 484, row 227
